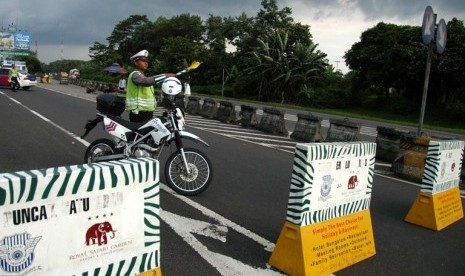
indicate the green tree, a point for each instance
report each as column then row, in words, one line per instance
column 285, row 71
column 122, row 39
column 33, row 63
column 64, row 65
column 102, row 54
column 450, row 69
column 387, row 56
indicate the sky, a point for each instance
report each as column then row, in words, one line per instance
column 66, row 29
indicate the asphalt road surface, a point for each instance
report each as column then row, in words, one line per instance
column 246, row 204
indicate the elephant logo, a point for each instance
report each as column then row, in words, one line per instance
column 97, row 233
column 353, row 181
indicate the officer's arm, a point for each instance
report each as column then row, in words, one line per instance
column 139, row 79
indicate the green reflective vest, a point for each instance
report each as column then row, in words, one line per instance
column 139, row 97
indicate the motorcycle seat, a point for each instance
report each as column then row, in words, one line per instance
column 130, row 125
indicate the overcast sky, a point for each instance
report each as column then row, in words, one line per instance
column 335, row 24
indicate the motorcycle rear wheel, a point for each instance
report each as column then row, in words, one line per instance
column 99, row 148
column 193, row 183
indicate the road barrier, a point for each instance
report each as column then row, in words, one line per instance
column 272, row 121
column 179, row 101
column 193, row 105
column 462, row 174
column 439, row 204
column 307, row 128
column 343, row 131
column 99, row 219
column 226, row 112
column 248, row 116
column 388, row 143
column 328, row 223
column 208, row 108
column 410, row 163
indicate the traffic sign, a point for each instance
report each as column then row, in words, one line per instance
column 441, row 36
column 428, row 26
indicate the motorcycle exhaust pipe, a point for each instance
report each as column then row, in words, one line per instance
column 146, row 147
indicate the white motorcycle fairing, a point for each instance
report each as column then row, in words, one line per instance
column 115, row 129
column 188, row 135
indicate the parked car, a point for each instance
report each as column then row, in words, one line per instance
column 25, row 80
column 4, row 77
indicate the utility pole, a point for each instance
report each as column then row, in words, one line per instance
column 62, row 50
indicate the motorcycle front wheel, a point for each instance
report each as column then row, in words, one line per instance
column 99, row 148
column 193, row 182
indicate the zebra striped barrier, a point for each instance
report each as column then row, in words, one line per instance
column 328, row 223
column 99, row 219
column 439, row 204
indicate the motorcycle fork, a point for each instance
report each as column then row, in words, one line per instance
column 180, row 147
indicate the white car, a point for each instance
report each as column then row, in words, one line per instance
column 25, row 80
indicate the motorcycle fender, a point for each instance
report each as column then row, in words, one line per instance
column 115, row 129
column 188, row 135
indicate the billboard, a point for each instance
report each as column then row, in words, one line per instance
column 22, row 41
column 15, row 41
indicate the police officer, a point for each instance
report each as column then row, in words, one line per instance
column 140, row 95
column 14, row 77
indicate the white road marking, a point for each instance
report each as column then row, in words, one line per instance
column 85, row 143
column 186, row 228
column 268, row 246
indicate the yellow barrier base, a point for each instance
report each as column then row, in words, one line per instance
column 325, row 247
column 436, row 211
column 152, row 272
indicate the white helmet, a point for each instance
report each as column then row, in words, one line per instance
column 143, row 53
column 171, row 86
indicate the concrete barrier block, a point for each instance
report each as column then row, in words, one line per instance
column 307, row 128
column 208, row 108
column 272, row 121
column 410, row 162
column 179, row 101
column 388, row 143
column 226, row 112
column 248, row 116
column 193, row 105
column 343, row 131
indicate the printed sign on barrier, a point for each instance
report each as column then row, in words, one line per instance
column 100, row 219
column 328, row 223
column 439, row 204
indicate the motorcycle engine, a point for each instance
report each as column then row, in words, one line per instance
column 143, row 150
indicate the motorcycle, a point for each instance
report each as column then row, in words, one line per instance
column 188, row 171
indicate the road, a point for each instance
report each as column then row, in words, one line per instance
column 245, row 207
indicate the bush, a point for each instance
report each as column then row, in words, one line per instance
column 332, row 98
column 456, row 111
column 400, row 105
